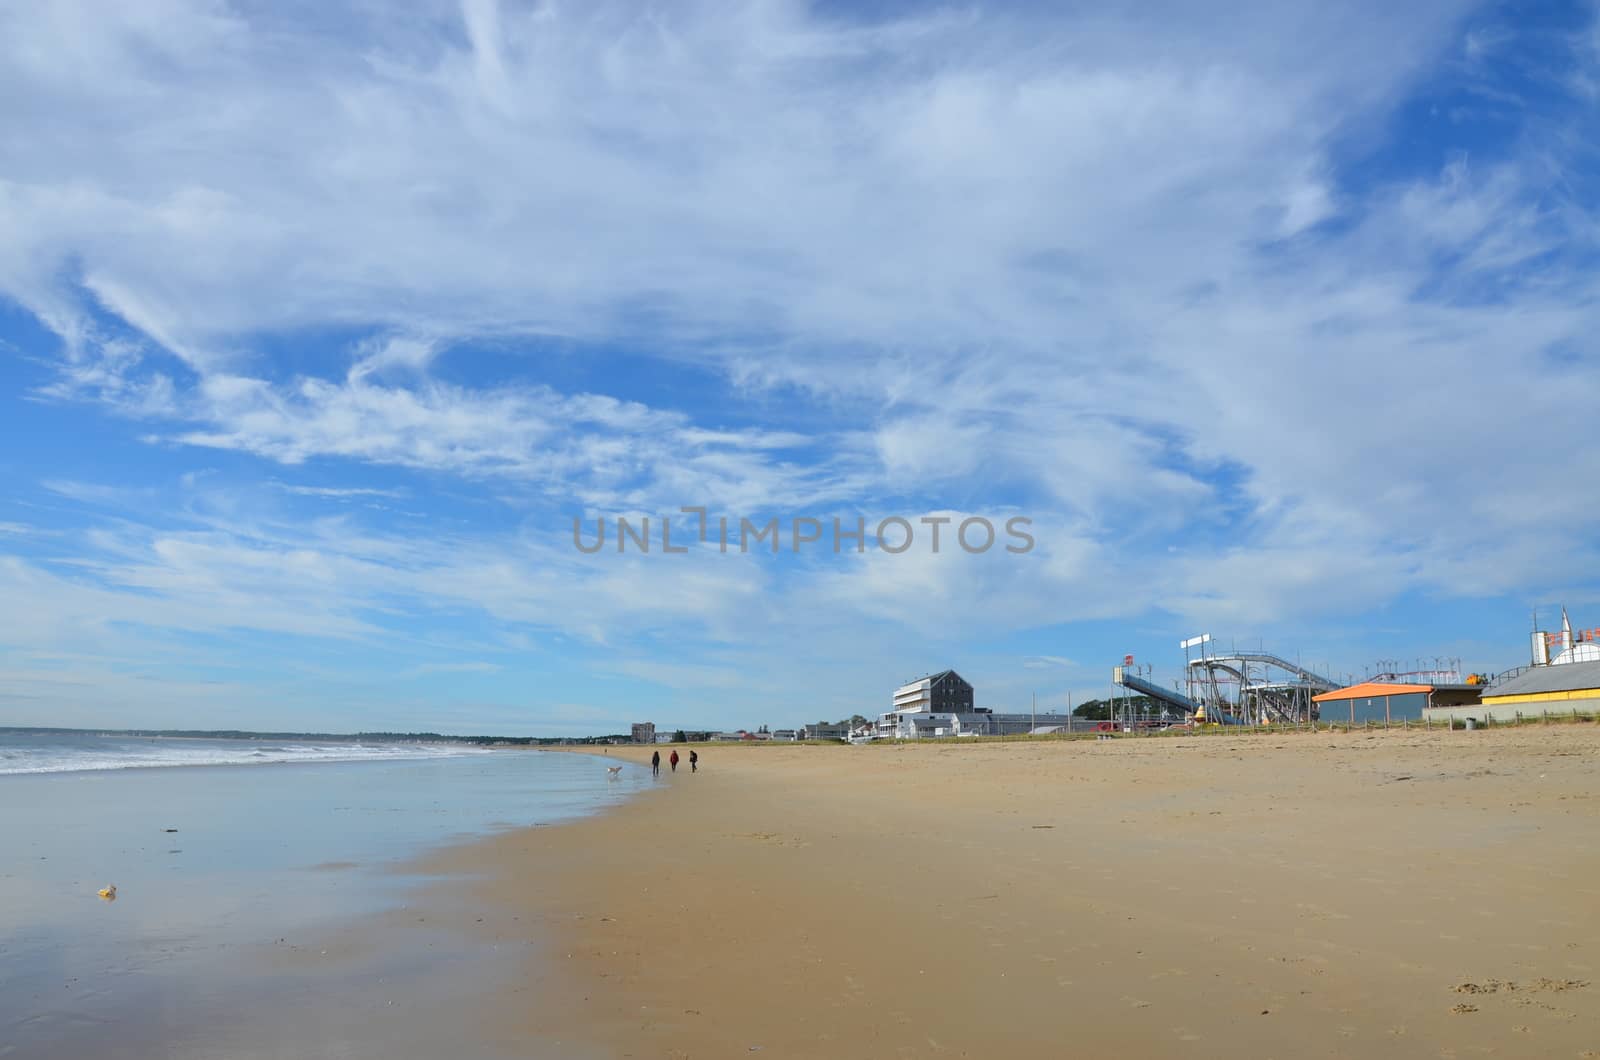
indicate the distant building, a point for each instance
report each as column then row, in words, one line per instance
column 989, row 723
column 824, row 730
column 1563, row 678
column 928, row 706
column 644, row 732
column 1561, row 687
column 945, row 692
column 932, row 724
column 1391, row 701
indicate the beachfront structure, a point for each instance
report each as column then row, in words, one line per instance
column 930, row 724
column 941, row 705
column 1567, row 647
column 824, row 730
column 1552, row 690
column 944, row 692
column 1231, row 686
column 1563, row 677
column 1559, row 688
column 1391, row 701
column 1254, row 686
column 644, row 732
column 928, row 706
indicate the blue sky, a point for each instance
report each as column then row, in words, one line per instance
column 319, row 326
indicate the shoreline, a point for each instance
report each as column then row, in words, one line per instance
column 1370, row 893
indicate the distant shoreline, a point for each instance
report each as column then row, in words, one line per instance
column 328, row 737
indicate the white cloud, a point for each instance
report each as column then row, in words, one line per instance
column 988, row 255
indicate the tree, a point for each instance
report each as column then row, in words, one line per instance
column 680, row 737
column 1093, row 710
column 1100, row 709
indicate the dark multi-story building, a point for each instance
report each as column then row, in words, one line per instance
column 945, row 692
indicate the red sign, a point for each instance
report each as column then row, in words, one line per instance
column 1127, row 660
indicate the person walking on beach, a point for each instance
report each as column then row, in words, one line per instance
column 674, row 761
column 655, row 764
column 694, row 761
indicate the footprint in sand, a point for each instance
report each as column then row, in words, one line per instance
column 1488, row 986
column 1557, row 986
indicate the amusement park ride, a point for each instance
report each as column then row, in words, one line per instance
column 1233, row 687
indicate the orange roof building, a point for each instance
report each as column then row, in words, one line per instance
column 1389, row 701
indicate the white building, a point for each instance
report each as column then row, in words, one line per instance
column 928, row 706
column 921, row 725
column 940, row 705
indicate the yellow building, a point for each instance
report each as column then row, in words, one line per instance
column 1559, row 686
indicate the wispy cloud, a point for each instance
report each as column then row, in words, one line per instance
column 469, row 667
column 343, row 492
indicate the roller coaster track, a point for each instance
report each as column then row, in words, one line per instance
column 1323, row 684
column 1279, row 706
column 1279, row 701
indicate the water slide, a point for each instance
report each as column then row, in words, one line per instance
column 1132, row 683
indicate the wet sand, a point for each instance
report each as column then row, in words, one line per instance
column 1392, row 894
column 262, row 912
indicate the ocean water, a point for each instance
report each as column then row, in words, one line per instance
column 221, row 850
column 71, row 752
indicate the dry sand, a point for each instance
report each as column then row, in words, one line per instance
column 1392, row 894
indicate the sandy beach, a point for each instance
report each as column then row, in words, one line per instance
column 1383, row 894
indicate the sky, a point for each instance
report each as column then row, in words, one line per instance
column 321, row 324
